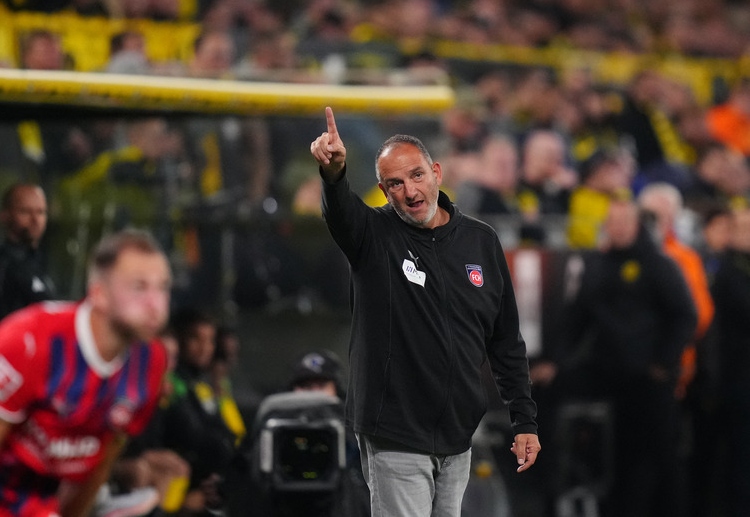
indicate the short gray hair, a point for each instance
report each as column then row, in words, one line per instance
column 398, row 140
column 666, row 191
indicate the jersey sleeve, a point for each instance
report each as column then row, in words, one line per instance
column 20, row 365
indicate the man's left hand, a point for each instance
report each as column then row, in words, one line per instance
column 526, row 447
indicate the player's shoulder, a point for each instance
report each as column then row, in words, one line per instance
column 50, row 310
column 39, row 317
column 27, row 335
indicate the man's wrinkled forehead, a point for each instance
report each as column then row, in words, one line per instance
column 407, row 152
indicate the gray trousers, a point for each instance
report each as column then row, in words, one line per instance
column 408, row 483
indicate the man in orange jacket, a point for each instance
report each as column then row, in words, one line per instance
column 665, row 202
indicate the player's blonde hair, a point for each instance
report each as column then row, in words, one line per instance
column 110, row 248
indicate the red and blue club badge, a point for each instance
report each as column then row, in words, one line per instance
column 475, row 274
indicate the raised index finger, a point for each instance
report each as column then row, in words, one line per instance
column 331, row 122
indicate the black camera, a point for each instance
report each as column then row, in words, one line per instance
column 300, row 443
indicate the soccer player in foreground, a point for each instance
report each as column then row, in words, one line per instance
column 77, row 378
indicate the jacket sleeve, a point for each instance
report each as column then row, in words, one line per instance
column 346, row 216
column 506, row 351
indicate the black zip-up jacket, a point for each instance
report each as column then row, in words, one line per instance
column 23, row 280
column 430, row 306
column 637, row 306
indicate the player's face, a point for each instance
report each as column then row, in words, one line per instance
column 410, row 184
column 137, row 290
column 26, row 218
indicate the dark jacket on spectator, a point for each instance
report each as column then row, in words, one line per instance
column 23, row 279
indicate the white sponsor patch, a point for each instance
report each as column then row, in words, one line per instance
column 412, row 274
column 66, row 447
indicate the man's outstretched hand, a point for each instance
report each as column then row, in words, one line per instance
column 329, row 151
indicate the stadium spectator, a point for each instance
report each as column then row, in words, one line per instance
column 224, row 362
column 42, row 50
column 50, row 148
column 213, row 56
column 534, row 100
column 23, row 273
column 322, row 371
column 714, row 237
column 323, row 30
column 635, row 305
column 546, row 177
column 731, row 292
column 194, row 425
column 492, row 189
column 706, row 477
column 722, row 176
column 546, row 181
column 692, row 125
column 127, row 53
column 271, row 56
column 702, row 30
column 132, row 184
column 729, row 122
column 664, row 201
column 604, row 176
column 588, row 113
column 645, row 123
column 495, row 90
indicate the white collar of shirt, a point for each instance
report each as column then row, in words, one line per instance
column 85, row 338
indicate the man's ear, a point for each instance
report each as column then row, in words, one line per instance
column 438, row 170
column 95, row 294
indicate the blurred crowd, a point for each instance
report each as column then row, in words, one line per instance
column 556, row 121
column 546, row 153
column 692, row 28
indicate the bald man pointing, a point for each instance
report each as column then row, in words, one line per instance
column 432, row 302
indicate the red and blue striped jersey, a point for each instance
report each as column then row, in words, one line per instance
column 66, row 401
